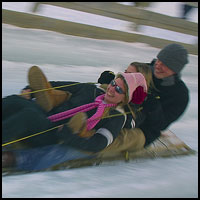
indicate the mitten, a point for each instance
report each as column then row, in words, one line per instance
column 78, row 125
column 106, row 77
column 77, row 122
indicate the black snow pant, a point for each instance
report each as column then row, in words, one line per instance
column 21, row 118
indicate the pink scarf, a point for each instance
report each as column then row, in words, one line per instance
column 92, row 121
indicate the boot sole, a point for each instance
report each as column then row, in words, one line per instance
column 38, row 81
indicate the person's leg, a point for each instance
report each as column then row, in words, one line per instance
column 12, row 104
column 128, row 140
column 47, row 99
column 25, row 122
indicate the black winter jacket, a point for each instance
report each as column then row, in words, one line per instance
column 171, row 102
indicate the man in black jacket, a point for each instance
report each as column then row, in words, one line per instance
column 172, row 92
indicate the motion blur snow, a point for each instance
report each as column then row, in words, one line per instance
column 64, row 57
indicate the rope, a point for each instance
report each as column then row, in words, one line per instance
column 24, row 138
column 52, row 88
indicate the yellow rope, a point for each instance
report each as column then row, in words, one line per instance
column 24, row 138
column 52, row 88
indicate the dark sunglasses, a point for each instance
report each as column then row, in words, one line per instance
column 117, row 88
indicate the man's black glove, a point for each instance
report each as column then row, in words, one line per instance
column 106, row 77
column 152, row 103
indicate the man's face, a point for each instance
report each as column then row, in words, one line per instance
column 162, row 71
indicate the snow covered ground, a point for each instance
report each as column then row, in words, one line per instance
column 64, row 57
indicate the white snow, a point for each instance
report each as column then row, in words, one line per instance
column 64, row 57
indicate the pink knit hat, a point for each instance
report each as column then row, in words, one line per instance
column 135, row 82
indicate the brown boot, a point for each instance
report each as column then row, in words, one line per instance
column 60, row 96
column 49, row 98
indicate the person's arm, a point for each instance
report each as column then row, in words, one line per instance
column 103, row 136
column 154, row 119
column 175, row 109
column 160, row 116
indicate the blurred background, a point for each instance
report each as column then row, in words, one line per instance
column 154, row 23
column 79, row 40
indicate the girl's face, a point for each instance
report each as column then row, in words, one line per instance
column 131, row 69
column 115, row 92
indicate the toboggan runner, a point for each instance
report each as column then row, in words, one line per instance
column 167, row 145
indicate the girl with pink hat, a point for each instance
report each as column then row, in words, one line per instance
column 90, row 105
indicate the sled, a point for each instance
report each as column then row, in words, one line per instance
column 59, row 157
